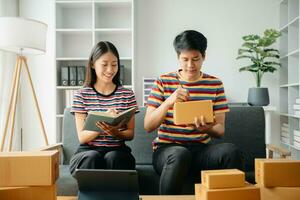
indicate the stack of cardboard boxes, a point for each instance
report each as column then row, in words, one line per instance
column 28, row 175
column 226, row 185
column 279, row 179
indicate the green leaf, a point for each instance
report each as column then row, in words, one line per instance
column 265, row 42
column 272, row 33
column 272, row 63
column 268, row 68
column 240, row 51
column 271, row 56
column 250, row 45
column 271, row 50
column 251, row 68
column 251, row 37
column 244, row 56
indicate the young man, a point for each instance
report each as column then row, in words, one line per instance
column 180, row 149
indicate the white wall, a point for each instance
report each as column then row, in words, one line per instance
column 222, row 22
column 8, row 8
column 42, row 68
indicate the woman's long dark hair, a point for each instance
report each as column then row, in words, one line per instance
column 99, row 49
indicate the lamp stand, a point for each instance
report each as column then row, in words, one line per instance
column 20, row 62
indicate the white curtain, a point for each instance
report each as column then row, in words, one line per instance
column 7, row 63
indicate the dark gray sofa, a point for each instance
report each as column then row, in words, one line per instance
column 245, row 127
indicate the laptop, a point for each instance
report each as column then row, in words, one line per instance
column 103, row 184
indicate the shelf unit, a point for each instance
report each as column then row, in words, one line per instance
column 289, row 74
column 80, row 24
column 147, row 86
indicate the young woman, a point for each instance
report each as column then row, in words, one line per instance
column 180, row 149
column 103, row 91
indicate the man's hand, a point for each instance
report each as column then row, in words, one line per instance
column 179, row 95
column 201, row 125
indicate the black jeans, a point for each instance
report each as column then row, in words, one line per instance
column 87, row 157
column 173, row 162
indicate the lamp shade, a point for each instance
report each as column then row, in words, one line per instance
column 22, row 35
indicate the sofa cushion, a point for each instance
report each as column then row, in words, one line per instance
column 66, row 184
column 70, row 138
column 141, row 145
column 245, row 127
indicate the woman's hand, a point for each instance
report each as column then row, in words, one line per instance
column 108, row 129
column 112, row 111
column 111, row 130
column 179, row 95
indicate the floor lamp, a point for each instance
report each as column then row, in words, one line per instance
column 21, row 36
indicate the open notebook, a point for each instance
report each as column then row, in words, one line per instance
column 94, row 116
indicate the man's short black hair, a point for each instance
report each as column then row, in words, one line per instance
column 190, row 40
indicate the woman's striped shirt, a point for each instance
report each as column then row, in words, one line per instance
column 205, row 88
column 88, row 99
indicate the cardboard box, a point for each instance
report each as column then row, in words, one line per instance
column 28, row 193
column 38, row 168
column 277, row 172
column 280, row 193
column 249, row 192
column 185, row 112
column 226, row 178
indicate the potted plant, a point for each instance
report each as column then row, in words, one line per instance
column 262, row 59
